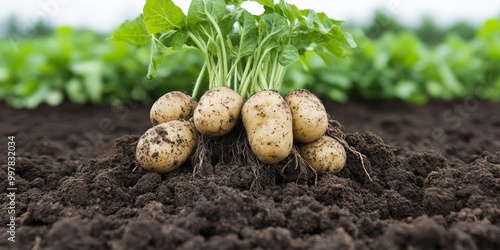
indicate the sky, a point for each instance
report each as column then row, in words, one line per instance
column 105, row 15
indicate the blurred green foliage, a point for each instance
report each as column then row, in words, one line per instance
column 85, row 67
column 401, row 66
column 428, row 30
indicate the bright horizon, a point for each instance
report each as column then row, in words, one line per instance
column 104, row 16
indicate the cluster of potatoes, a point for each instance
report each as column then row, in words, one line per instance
column 273, row 124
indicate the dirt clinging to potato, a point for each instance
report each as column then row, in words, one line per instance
column 421, row 197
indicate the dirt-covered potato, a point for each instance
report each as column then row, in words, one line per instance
column 218, row 111
column 268, row 123
column 172, row 106
column 326, row 155
column 310, row 120
column 166, row 146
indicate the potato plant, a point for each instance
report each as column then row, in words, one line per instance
column 246, row 56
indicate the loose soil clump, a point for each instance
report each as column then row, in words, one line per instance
column 80, row 187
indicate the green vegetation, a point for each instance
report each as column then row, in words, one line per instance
column 402, row 66
column 84, row 67
column 241, row 51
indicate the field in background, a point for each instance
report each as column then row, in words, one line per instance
column 390, row 62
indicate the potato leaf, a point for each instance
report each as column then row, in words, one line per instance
column 350, row 40
column 234, row 1
column 133, row 32
column 242, row 51
column 158, row 52
column 204, row 10
column 175, row 39
column 226, row 24
column 291, row 12
column 288, row 55
column 162, row 16
column 272, row 30
column 267, row 3
column 249, row 34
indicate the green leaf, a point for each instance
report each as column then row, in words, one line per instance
column 226, row 24
column 267, row 3
column 350, row 40
column 325, row 55
column 249, row 34
column 318, row 22
column 291, row 12
column 337, row 95
column 203, row 10
column 25, row 88
column 404, row 89
column 450, row 81
column 336, row 42
column 91, row 71
column 173, row 39
column 288, row 55
column 158, row 52
column 273, row 28
column 54, row 97
column 162, row 16
column 326, row 21
column 313, row 23
column 74, row 91
column 133, row 32
column 335, row 79
column 234, row 1
column 490, row 27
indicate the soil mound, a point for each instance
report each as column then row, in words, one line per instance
column 417, row 200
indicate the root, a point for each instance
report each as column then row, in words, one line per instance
column 335, row 131
column 257, row 170
column 234, row 149
column 300, row 166
column 202, row 155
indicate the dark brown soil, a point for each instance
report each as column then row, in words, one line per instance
column 436, row 171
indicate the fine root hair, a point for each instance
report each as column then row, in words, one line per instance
column 335, row 130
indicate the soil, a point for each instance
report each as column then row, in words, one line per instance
column 435, row 171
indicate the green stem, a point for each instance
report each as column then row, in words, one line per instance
column 262, row 83
column 220, row 60
column 214, row 74
column 272, row 76
column 222, row 45
column 198, row 80
column 233, row 67
column 245, row 78
column 264, row 72
column 235, row 79
column 279, row 77
column 258, row 65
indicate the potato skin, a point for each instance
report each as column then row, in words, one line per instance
column 218, row 111
column 326, row 155
column 172, row 106
column 268, row 123
column 310, row 120
column 166, row 146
